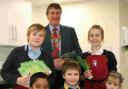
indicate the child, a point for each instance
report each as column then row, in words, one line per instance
column 101, row 61
column 32, row 51
column 39, row 80
column 114, row 80
column 71, row 73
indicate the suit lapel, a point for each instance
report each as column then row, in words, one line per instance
column 63, row 38
column 48, row 40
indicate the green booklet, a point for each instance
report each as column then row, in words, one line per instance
column 31, row 67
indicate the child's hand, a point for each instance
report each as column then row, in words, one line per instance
column 23, row 81
column 88, row 74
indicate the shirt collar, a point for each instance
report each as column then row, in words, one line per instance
column 66, row 86
column 99, row 52
column 51, row 27
column 30, row 49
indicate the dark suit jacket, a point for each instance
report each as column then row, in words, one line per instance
column 69, row 40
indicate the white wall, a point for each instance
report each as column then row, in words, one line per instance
column 124, row 50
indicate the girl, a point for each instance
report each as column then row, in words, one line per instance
column 114, row 80
column 95, row 38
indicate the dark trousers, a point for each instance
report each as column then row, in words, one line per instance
column 59, row 81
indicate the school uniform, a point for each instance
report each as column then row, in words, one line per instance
column 19, row 55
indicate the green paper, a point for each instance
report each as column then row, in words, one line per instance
column 31, row 67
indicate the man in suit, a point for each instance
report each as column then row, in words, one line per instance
column 67, row 40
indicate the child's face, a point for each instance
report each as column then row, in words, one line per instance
column 110, row 85
column 71, row 76
column 95, row 38
column 36, row 38
column 40, row 84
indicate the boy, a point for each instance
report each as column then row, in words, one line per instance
column 71, row 73
column 39, row 80
column 32, row 51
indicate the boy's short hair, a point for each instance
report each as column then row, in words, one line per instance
column 114, row 76
column 36, row 27
column 70, row 64
column 37, row 75
column 53, row 5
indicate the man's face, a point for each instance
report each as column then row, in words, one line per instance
column 54, row 16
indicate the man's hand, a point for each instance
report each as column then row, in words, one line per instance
column 58, row 63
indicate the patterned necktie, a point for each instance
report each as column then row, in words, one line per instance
column 55, row 42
